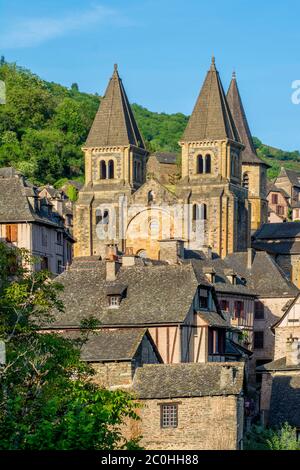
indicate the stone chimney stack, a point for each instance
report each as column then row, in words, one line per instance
column 171, row 250
column 112, row 264
column 227, row 376
column 292, row 351
column 250, row 257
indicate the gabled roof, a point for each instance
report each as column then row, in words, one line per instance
column 112, row 345
column 188, row 380
column 277, row 365
column 278, row 230
column 114, row 123
column 287, row 308
column 293, row 176
column 265, row 277
column 237, row 111
column 166, row 157
column 156, row 293
column 211, row 118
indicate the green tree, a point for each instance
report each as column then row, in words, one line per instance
column 264, row 438
column 47, row 397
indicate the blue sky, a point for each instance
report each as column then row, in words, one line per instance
column 163, row 49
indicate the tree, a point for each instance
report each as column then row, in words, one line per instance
column 264, row 438
column 48, row 399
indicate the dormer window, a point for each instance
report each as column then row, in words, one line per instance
column 114, row 301
column 203, row 298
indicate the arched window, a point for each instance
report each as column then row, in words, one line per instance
column 207, row 163
column 203, row 212
column 199, row 164
column 195, row 212
column 102, row 170
column 111, row 169
column 150, row 197
column 102, row 218
column 246, row 181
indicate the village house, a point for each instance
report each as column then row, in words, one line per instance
column 169, row 297
column 280, row 394
column 163, row 167
column 60, row 202
column 26, row 221
column 282, row 242
column 191, row 406
column 288, row 181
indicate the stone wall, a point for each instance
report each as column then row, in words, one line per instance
column 282, row 333
column 204, row 423
column 113, row 374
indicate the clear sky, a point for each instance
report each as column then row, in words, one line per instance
column 163, row 49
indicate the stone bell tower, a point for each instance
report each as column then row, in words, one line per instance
column 115, row 167
column 211, row 171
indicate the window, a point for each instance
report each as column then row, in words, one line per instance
column 274, row 198
column 258, row 310
column 150, row 197
column 114, row 301
column 246, row 181
column 199, row 212
column 238, row 309
column 44, row 263
column 44, row 237
column 102, row 170
column 169, row 416
column 224, row 304
column 102, row 218
column 207, row 163
column 216, row 341
column 12, row 233
column 59, row 266
column 199, row 164
column 203, row 211
column 280, row 210
column 59, row 238
column 203, row 298
column 111, row 169
column 195, row 212
column 258, row 339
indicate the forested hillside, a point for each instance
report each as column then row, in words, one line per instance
column 43, row 126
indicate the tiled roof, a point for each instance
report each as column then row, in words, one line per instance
column 114, row 123
column 279, row 364
column 293, row 176
column 277, row 231
column 111, row 345
column 213, row 319
column 211, row 117
column 188, row 380
column 156, row 293
column 166, row 157
column 285, row 400
column 265, row 277
column 237, row 111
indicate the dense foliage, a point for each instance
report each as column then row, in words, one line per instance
column 43, row 126
column 48, row 399
column 261, row 438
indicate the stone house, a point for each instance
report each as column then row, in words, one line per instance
column 175, row 302
column 191, row 406
column 61, row 203
column 272, row 292
column 162, row 166
column 280, row 393
column 289, row 182
column 278, row 204
column 282, row 242
column 26, row 221
column 116, row 354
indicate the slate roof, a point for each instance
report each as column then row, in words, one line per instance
column 279, row 364
column 265, row 277
column 272, row 187
column 222, row 283
column 14, row 203
column 293, row 176
column 188, row 380
column 114, row 123
column 166, row 157
column 237, row 111
column 211, row 117
column 282, row 247
column 277, row 231
column 111, row 345
column 285, row 400
column 213, row 319
column 156, row 293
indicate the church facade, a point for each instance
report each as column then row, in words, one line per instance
column 211, row 205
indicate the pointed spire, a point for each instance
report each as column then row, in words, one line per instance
column 114, row 123
column 237, row 110
column 211, row 118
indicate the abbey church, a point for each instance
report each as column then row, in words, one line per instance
column 218, row 200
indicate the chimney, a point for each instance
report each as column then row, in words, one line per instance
column 207, row 250
column 231, row 275
column 250, row 257
column 112, row 264
column 227, row 376
column 210, row 273
column 171, row 250
column 292, row 351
